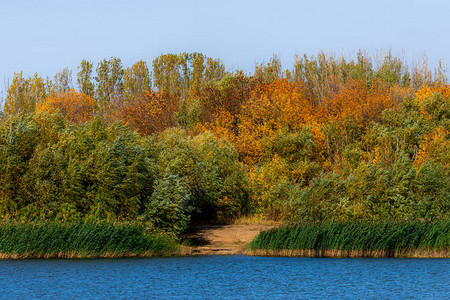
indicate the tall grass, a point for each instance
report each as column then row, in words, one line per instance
column 372, row 236
column 81, row 239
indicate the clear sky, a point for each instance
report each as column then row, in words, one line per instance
column 45, row 36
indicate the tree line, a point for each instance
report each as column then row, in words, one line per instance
column 330, row 139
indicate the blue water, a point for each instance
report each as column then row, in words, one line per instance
column 232, row 277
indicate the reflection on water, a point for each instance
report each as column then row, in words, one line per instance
column 225, row 277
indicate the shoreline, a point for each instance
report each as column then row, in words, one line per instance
column 183, row 251
column 76, row 255
column 335, row 253
column 234, row 239
column 192, row 251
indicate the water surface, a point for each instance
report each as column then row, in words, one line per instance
column 231, row 277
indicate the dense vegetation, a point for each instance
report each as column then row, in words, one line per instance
column 331, row 139
column 41, row 239
column 53, row 170
column 376, row 238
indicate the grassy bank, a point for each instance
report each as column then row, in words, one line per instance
column 81, row 240
column 356, row 239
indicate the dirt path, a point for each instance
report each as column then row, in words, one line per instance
column 224, row 239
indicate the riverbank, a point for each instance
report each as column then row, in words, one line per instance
column 334, row 253
column 75, row 254
column 82, row 240
column 180, row 251
column 108, row 240
column 225, row 239
column 356, row 239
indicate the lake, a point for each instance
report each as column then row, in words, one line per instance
column 233, row 277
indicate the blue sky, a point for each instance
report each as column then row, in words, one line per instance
column 45, row 36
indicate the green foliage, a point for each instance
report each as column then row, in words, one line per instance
column 24, row 93
column 371, row 236
column 84, row 78
column 214, row 69
column 119, row 177
column 291, row 145
column 185, row 72
column 438, row 109
column 169, row 207
column 223, row 179
column 52, row 168
column 48, row 239
column 136, row 81
column 18, row 138
column 208, row 168
column 269, row 72
column 392, row 69
column 374, row 192
column 109, row 83
column 431, row 191
column 323, row 199
column 399, row 130
column 285, row 168
column 354, row 149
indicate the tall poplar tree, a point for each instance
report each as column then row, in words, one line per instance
column 24, row 93
column 84, row 78
column 136, row 80
column 109, row 83
column 63, row 81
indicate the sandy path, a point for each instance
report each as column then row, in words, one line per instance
column 224, row 239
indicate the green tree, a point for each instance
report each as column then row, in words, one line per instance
column 214, row 70
column 166, row 73
column 109, row 83
column 169, row 206
column 119, row 178
column 18, row 139
column 84, row 78
column 270, row 71
column 136, row 81
column 186, row 72
column 223, row 180
column 24, row 93
column 431, row 192
column 391, row 69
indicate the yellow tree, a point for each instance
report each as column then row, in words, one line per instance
column 220, row 105
column 24, row 93
column 76, row 107
column 424, row 94
column 434, row 146
column 434, row 106
column 271, row 108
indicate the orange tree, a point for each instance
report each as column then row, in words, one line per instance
column 151, row 113
column 271, row 108
column 347, row 114
column 76, row 107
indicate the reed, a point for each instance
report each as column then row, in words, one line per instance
column 81, row 239
column 367, row 238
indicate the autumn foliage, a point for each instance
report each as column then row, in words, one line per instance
column 151, row 113
column 270, row 108
column 357, row 101
column 332, row 139
column 76, row 107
